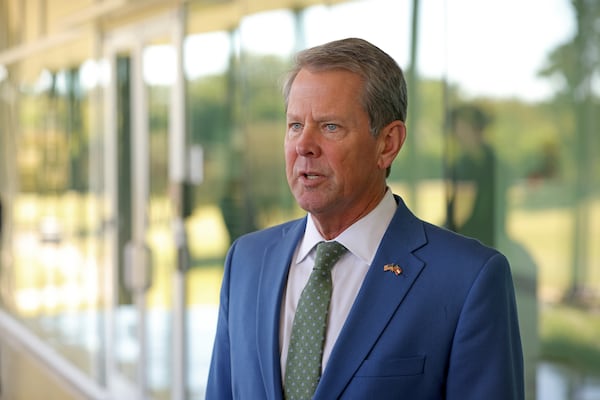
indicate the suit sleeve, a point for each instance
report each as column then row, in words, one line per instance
column 219, row 375
column 486, row 360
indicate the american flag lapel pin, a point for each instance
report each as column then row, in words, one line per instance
column 396, row 269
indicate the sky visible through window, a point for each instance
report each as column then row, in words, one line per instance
column 488, row 48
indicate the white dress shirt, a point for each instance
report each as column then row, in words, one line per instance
column 362, row 241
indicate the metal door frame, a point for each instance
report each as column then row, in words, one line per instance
column 133, row 39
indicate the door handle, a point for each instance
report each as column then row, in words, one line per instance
column 138, row 267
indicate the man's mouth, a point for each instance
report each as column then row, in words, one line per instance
column 310, row 176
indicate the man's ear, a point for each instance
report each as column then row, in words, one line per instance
column 391, row 138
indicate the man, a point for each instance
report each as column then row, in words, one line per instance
column 416, row 312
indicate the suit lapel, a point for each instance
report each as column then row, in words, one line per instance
column 382, row 291
column 272, row 282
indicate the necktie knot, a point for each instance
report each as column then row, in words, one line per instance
column 328, row 253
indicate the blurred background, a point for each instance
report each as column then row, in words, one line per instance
column 138, row 138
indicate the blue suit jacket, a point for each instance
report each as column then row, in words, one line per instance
column 446, row 328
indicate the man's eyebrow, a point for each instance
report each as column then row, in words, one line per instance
column 318, row 118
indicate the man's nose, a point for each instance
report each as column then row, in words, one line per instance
column 307, row 144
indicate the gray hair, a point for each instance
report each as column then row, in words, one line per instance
column 384, row 97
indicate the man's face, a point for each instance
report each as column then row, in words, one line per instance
column 333, row 164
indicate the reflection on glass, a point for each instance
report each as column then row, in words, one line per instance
column 52, row 281
column 477, row 207
column 546, row 192
column 529, row 184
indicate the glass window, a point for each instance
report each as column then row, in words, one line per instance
column 51, row 282
column 502, row 146
column 520, row 146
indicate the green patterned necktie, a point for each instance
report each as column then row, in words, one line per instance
column 303, row 367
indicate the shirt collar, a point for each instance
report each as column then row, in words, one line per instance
column 362, row 238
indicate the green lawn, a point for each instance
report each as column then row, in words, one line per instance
column 571, row 336
column 568, row 334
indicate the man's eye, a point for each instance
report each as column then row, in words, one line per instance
column 295, row 126
column 331, row 127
